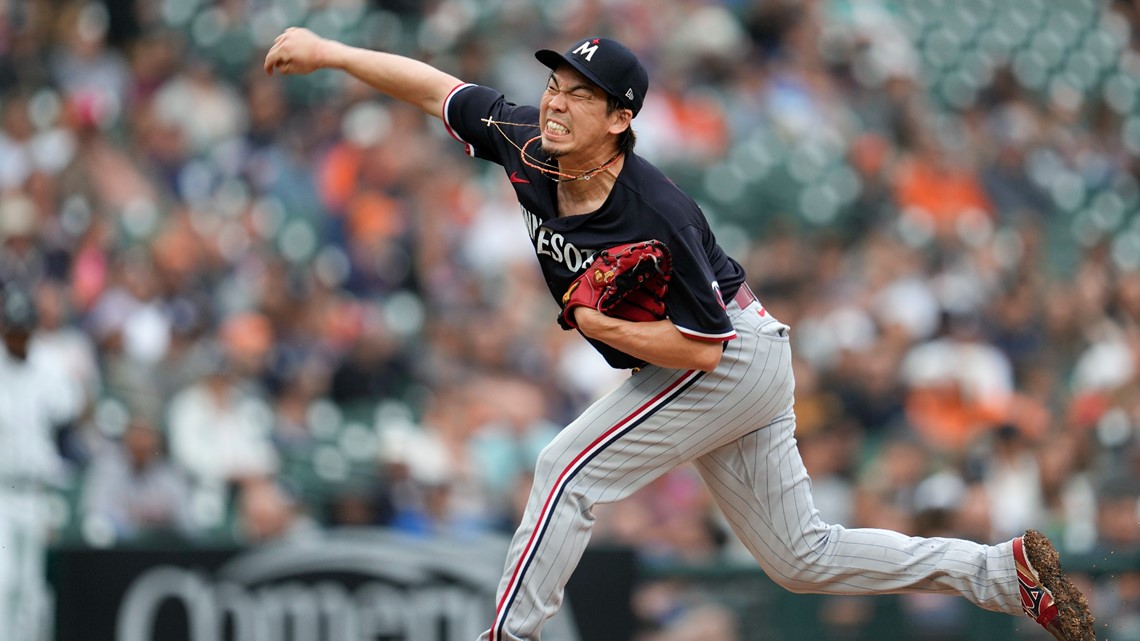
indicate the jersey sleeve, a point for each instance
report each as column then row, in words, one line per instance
column 486, row 124
column 693, row 300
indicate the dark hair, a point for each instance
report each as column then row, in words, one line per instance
column 626, row 139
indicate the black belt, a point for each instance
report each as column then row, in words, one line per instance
column 744, row 296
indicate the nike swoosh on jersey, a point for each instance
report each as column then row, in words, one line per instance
column 515, row 178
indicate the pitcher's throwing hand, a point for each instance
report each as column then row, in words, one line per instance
column 297, row 51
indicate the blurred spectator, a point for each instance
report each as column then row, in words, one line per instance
column 870, row 391
column 247, row 340
column 1016, row 325
column 1118, row 606
column 506, row 443
column 364, row 504
column 1014, row 127
column 959, row 387
column 293, row 435
column 133, row 492
column 1118, row 515
column 133, row 330
column 93, row 75
column 375, row 366
column 1013, row 483
column 30, row 144
column 887, row 486
column 204, row 110
column 826, row 455
column 62, row 346
column 220, row 433
column 1068, row 490
column 59, row 341
column 266, row 512
column 437, row 483
column 937, row 185
column 673, row 611
column 22, row 263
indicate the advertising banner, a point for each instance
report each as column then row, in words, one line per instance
column 346, row 585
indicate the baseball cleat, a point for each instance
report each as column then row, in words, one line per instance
column 1047, row 595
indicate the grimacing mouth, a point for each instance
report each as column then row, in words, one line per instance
column 556, row 128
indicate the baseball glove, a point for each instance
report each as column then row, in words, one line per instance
column 628, row 282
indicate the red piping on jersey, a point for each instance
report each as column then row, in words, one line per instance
column 447, row 125
column 720, row 338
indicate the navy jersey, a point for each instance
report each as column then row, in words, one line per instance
column 643, row 205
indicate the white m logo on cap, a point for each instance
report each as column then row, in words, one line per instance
column 586, row 50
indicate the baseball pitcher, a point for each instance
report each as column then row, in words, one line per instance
column 639, row 274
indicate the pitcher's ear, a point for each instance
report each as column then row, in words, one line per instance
column 622, row 122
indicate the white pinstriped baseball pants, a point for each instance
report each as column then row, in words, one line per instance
column 23, row 588
column 737, row 425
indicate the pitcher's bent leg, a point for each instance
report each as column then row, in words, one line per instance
column 617, row 446
column 763, row 488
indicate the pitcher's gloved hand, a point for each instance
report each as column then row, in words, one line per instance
column 628, row 282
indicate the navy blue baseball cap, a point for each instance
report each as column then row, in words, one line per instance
column 608, row 64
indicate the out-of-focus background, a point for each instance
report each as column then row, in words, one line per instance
column 265, row 308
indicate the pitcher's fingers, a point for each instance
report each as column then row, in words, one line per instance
column 271, row 60
column 275, row 56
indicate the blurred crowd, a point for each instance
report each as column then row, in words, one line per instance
column 284, row 304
